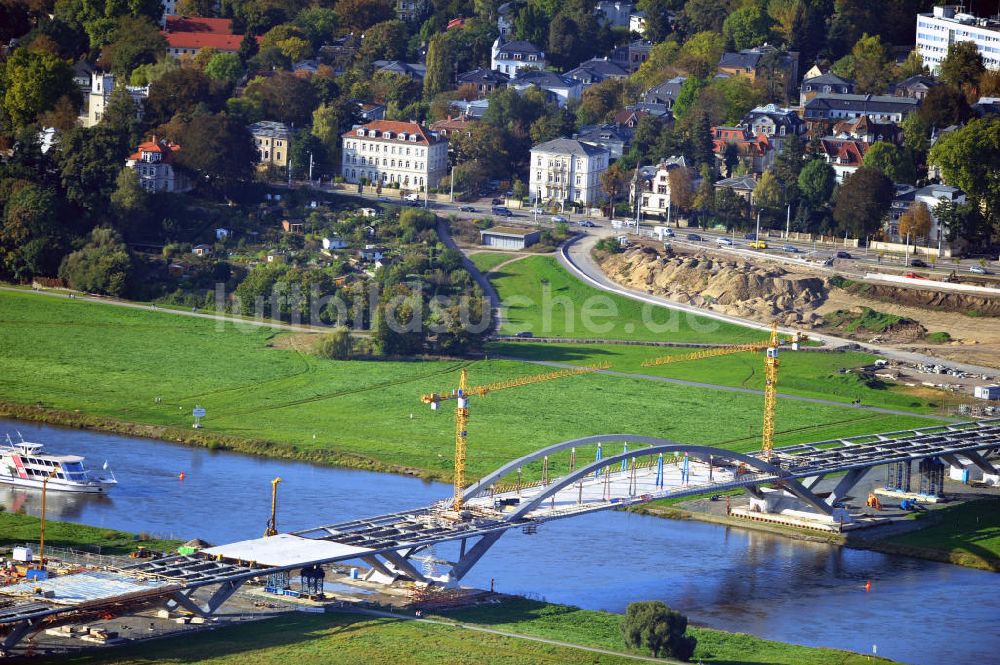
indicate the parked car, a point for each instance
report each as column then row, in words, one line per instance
column 669, row 233
column 501, row 211
column 919, row 263
column 496, row 202
column 750, row 236
column 758, row 244
column 791, row 249
column 694, row 237
column 524, row 334
column 412, row 197
column 467, row 209
column 979, row 270
column 828, row 262
column 559, row 219
column 844, row 255
column 723, row 241
column 586, row 223
column 537, row 211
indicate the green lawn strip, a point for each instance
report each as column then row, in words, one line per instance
column 344, row 639
column 967, row 533
column 112, row 363
column 603, row 630
column 17, row 529
column 809, row 374
column 486, row 261
column 538, row 295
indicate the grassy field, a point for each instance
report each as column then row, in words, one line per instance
column 541, row 297
column 807, row 373
column 486, row 261
column 354, row 638
column 967, row 534
column 17, row 529
column 603, row 629
column 113, row 363
column 344, row 639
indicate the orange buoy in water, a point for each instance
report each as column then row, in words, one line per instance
column 180, row 476
column 868, row 586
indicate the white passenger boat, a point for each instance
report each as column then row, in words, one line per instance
column 24, row 464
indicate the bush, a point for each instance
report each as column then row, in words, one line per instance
column 653, row 625
column 336, row 345
column 938, row 337
column 610, row 245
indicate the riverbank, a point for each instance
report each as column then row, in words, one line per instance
column 18, row 529
column 966, row 534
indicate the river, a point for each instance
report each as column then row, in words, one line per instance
column 918, row 612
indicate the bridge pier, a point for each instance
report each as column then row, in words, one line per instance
column 215, row 601
column 17, row 634
column 845, row 485
column 471, row 557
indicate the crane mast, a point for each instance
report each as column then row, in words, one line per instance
column 461, row 398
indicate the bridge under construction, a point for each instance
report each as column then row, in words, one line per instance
column 620, row 470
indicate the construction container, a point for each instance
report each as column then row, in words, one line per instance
column 354, row 573
column 22, row 554
column 987, row 392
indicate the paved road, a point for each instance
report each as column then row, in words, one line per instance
column 575, row 256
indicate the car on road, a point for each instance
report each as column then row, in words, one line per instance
column 827, row 262
column 467, row 209
column 758, row 244
column 496, row 202
column 694, row 237
column 750, row 236
column 501, row 211
column 669, row 233
column 723, row 241
column 559, row 219
column 524, row 334
column 918, row 263
column 844, row 255
column 791, row 249
column 586, row 223
column 537, row 211
column 412, row 197
column 979, row 270
column 415, row 204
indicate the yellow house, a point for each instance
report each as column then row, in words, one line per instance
column 273, row 141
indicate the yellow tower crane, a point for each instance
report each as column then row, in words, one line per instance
column 272, row 527
column 770, row 346
column 461, row 398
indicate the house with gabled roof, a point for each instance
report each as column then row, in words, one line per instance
column 406, row 154
column 512, row 57
column 845, row 155
column 154, row 163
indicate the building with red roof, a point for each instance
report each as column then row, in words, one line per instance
column 757, row 150
column 187, row 35
column 389, row 151
column 154, row 163
column 845, row 155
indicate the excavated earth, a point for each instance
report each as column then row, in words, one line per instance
column 799, row 297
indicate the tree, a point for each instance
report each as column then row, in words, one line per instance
column 747, row 27
column 336, row 344
column 969, row 158
column 963, row 222
column 681, row 188
column 614, row 182
column 565, row 41
column 944, row 106
column 896, row 163
column 101, row 266
column 225, row 67
column 305, row 147
column 657, row 18
column 963, row 66
column 687, row 96
column 439, row 66
column 385, row 41
column 700, row 54
column 319, row 24
column 486, row 145
column 788, row 18
column 135, row 41
column 767, row 193
column 32, row 83
column 359, row 15
column 872, row 65
column 331, row 120
column 730, row 208
column 204, row 8
column 181, row 91
column 816, row 182
column 129, row 198
column 707, row 15
column 284, row 97
column 916, row 221
column 30, row 236
column 144, row 75
column 218, row 148
column 913, row 66
column 653, row 625
column 862, row 202
column 916, row 133
column 89, row 162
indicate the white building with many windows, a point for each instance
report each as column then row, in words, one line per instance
column 511, row 57
column 947, row 25
column 102, row 86
column 388, row 151
column 567, row 170
column 153, row 162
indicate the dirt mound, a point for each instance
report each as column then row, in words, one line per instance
column 942, row 301
column 732, row 287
